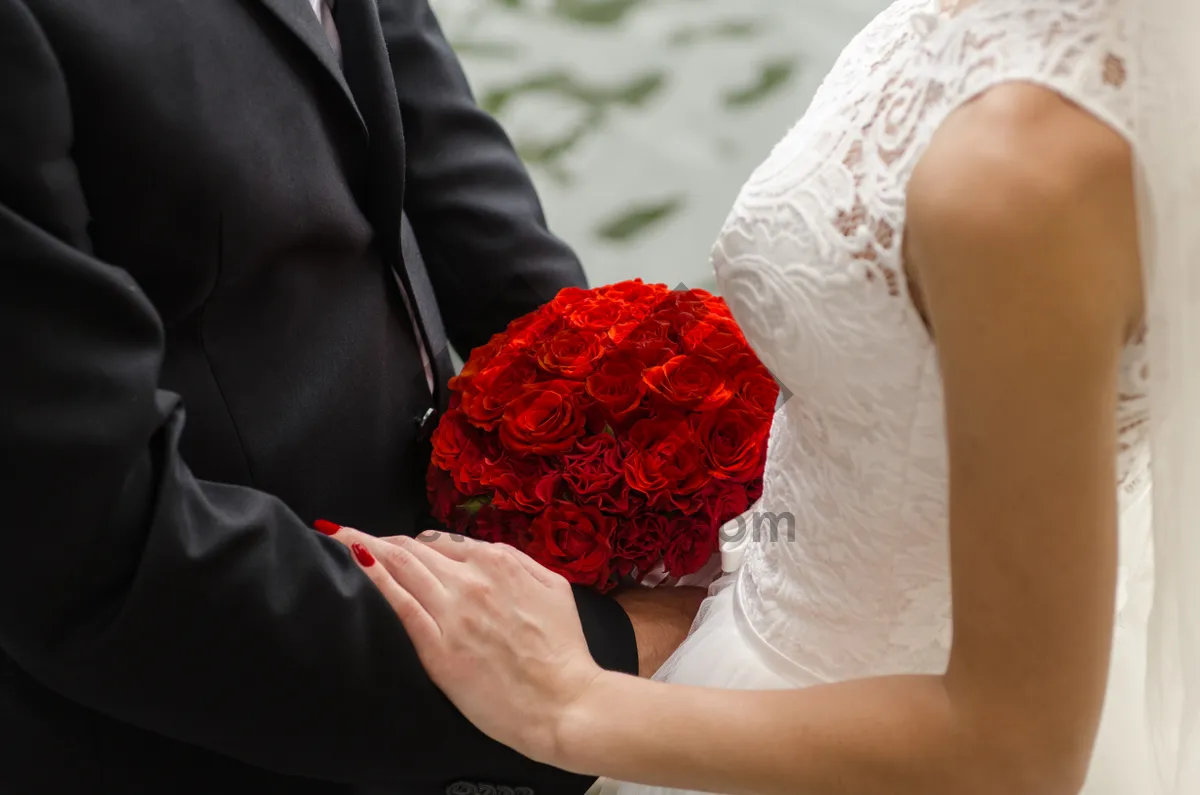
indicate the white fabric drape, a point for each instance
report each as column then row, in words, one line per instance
column 1167, row 37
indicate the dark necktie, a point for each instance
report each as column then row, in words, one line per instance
column 360, row 20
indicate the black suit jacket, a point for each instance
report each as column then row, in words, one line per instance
column 201, row 212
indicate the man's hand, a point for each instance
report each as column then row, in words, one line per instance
column 661, row 619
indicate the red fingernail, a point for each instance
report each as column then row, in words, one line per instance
column 326, row 527
column 362, row 555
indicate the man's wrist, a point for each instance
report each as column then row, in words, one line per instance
column 653, row 646
column 632, row 602
column 661, row 619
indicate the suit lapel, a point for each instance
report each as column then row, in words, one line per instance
column 298, row 17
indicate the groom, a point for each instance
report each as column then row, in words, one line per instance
column 273, row 215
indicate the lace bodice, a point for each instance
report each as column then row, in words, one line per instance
column 809, row 261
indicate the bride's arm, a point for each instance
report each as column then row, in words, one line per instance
column 1022, row 231
column 1023, row 239
column 1023, row 234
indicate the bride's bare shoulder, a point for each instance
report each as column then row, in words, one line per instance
column 1018, row 147
column 1024, row 170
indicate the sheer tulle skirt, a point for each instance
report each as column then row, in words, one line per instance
column 719, row 652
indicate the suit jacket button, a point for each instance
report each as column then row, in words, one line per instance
column 462, row 788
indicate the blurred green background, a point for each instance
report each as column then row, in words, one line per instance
column 641, row 119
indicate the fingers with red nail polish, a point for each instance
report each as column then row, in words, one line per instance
column 347, row 536
column 362, row 555
column 411, row 612
column 360, row 546
column 326, row 527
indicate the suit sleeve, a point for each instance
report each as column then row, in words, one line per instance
column 203, row 612
column 475, row 212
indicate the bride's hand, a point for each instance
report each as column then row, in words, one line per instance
column 497, row 632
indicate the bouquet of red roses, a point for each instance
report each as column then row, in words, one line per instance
column 608, row 434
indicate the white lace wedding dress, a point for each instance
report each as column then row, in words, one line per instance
column 810, row 263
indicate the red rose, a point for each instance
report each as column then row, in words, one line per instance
column 684, row 302
column 571, row 353
column 689, row 382
column 648, row 341
column 469, row 468
column 526, row 331
column 723, row 501
column 500, row 527
column 640, row 542
column 597, row 314
column 495, row 387
column 567, row 299
column 692, row 545
column 444, row 499
column 635, row 293
column 651, row 329
column 653, row 353
column 534, row 495
column 718, row 341
column 734, row 444
column 620, row 331
column 665, row 461
column 756, row 390
column 455, row 510
column 461, row 521
column 452, row 435
column 544, row 420
column 617, row 386
column 526, row 484
column 478, row 359
column 681, row 319
column 637, row 502
column 517, row 525
column 575, row 541
column 606, row 434
column 596, row 473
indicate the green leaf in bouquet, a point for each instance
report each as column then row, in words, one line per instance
column 475, row 504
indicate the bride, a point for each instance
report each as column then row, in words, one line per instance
column 942, row 262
